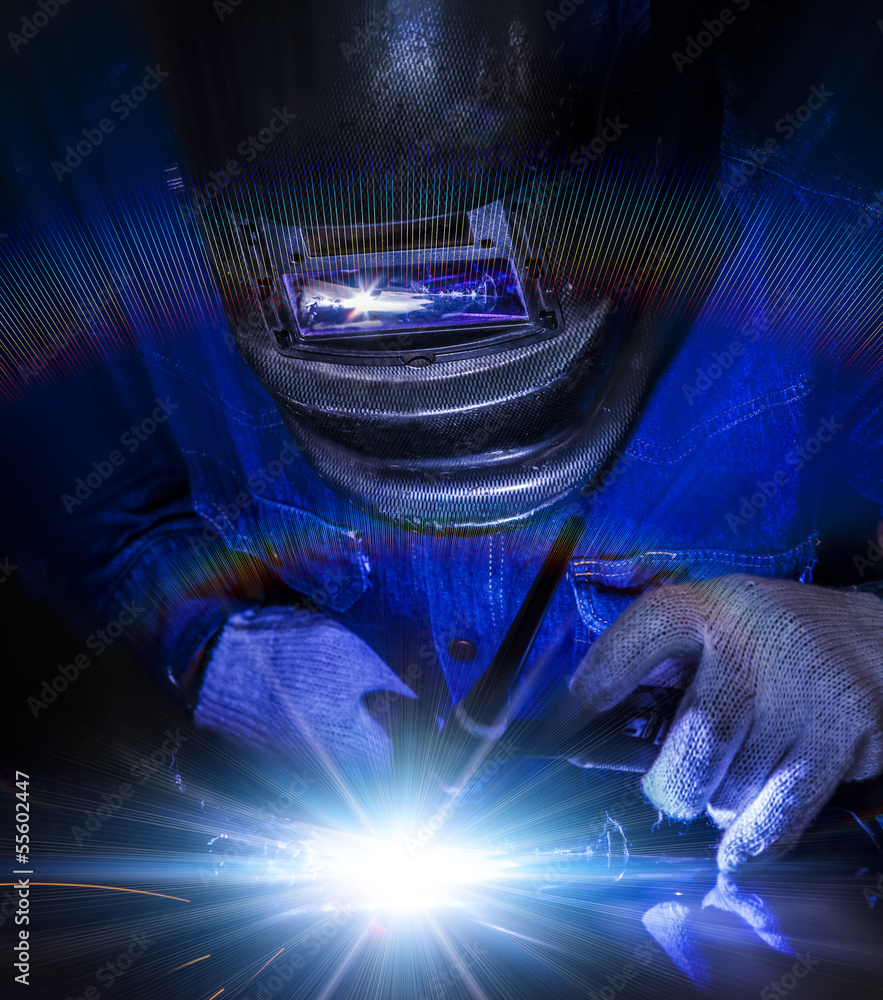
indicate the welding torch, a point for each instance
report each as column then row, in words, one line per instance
column 626, row 739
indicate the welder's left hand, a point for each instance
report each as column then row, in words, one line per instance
column 292, row 683
column 784, row 701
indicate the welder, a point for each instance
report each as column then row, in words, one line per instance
column 464, row 305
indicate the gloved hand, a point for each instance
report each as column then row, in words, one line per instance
column 785, row 700
column 290, row 681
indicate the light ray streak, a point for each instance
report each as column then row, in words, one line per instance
column 347, row 962
column 465, row 974
column 526, row 937
column 321, row 752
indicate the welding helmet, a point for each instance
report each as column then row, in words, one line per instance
column 483, row 231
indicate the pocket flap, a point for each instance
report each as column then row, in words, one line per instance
column 605, row 586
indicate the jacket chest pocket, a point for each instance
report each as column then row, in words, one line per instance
column 325, row 562
column 605, row 586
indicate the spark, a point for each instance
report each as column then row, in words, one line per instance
column 252, row 979
column 191, row 962
column 261, row 969
column 114, row 888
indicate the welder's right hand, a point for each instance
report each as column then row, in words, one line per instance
column 290, row 681
column 783, row 700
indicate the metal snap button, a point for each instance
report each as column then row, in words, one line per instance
column 462, row 650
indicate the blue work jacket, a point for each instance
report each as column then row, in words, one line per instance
column 769, row 413
column 764, row 414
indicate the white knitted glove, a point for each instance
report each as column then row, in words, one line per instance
column 290, row 681
column 785, row 701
